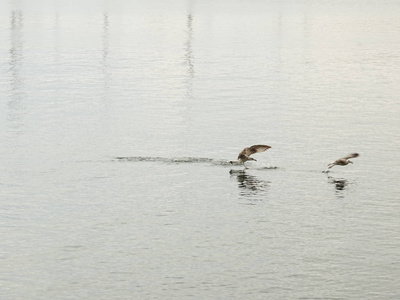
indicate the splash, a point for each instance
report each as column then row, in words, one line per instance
column 268, row 168
column 174, row 160
column 186, row 160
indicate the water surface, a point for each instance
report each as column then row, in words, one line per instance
column 118, row 119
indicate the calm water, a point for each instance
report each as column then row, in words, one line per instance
column 117, row 122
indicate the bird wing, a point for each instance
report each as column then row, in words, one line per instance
column 352, row 155
column 253, row 149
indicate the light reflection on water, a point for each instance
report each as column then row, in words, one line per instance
column 15, row 106
column 120, row 118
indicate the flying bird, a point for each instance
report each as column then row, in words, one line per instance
column 343, row 161
column 246, row 152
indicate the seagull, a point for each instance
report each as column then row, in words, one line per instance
column 343, row 161
column 246, row 152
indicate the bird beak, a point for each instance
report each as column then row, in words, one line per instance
column 254, row 159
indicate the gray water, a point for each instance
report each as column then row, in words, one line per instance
column 118, row 119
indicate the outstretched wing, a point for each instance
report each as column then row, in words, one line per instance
column 253, row 149
column 350, row 156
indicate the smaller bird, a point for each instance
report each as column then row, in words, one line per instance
column 343, row 161
column 246, row 152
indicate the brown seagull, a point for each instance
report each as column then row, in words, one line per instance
column 246, row 152
column 343, row 161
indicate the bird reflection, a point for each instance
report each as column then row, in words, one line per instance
column 250, row 186
column 340, row 183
